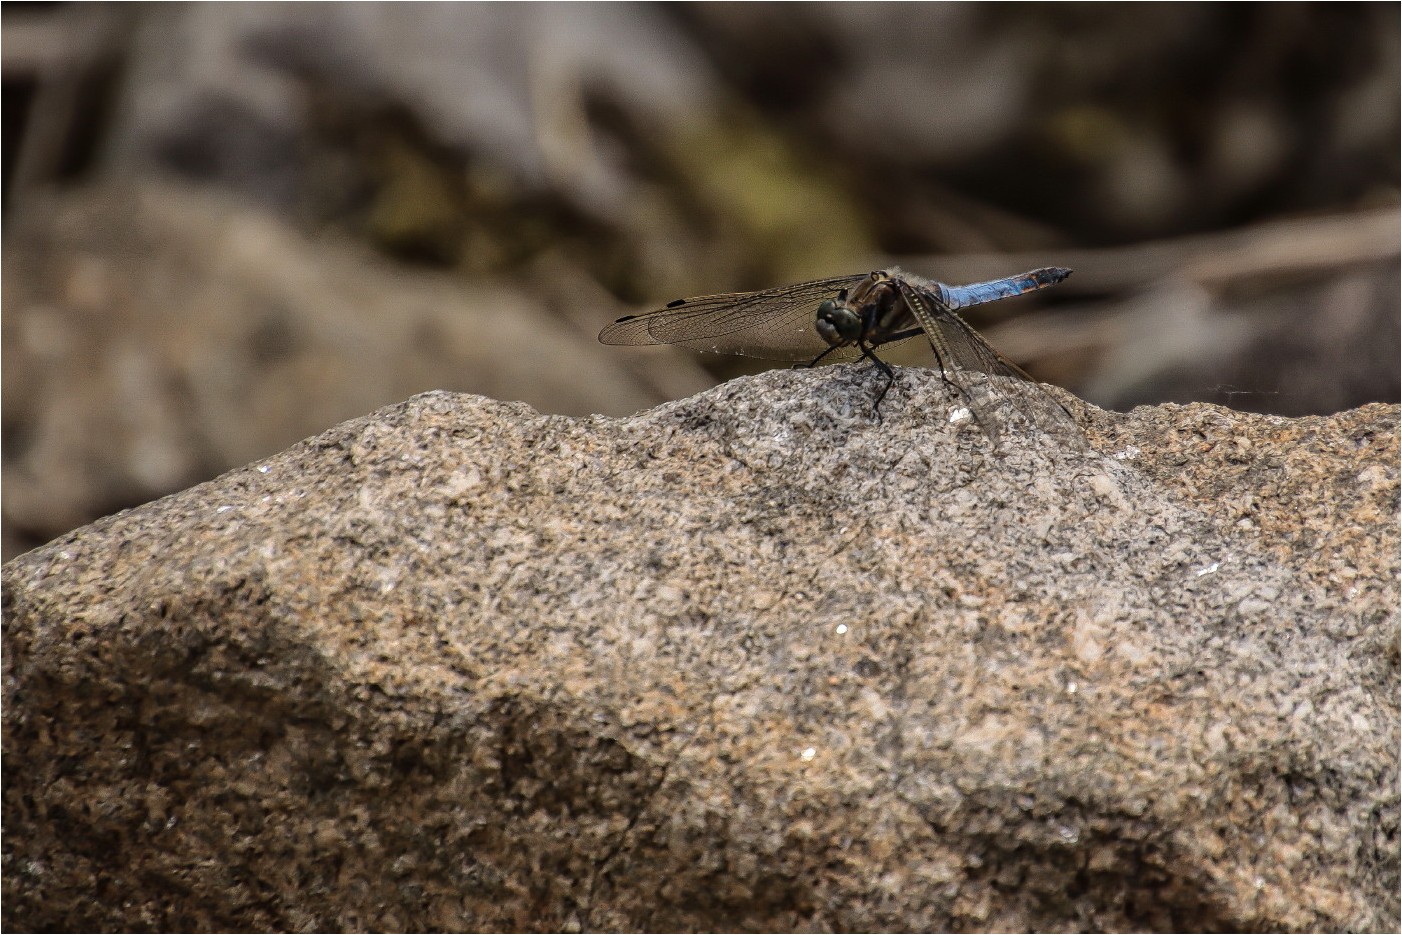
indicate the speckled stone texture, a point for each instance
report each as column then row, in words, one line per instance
column 748, row 661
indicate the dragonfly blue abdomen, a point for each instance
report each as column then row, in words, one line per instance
column 957, row 297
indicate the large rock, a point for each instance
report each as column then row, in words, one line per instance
column 749, row 661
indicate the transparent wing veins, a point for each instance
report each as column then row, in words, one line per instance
column 772, row 323
column 958, row 347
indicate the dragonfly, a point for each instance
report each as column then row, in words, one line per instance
column 849, row 317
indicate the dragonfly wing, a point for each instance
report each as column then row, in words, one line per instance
column 980, row 292
column 1012, row 383
column 959, row 347
column 775, row 324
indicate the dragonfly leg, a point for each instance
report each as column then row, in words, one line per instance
column 884, row 368
column 814, row 362
column 958, row 390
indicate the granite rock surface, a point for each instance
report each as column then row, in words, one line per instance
column 748, row 661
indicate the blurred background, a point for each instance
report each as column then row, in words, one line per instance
column 231, row 226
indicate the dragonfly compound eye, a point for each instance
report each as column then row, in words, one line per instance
column 837, row 324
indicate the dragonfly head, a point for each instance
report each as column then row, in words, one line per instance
column 837, row 324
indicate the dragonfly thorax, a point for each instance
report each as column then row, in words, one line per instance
column 837, row 324
column 869, row 312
